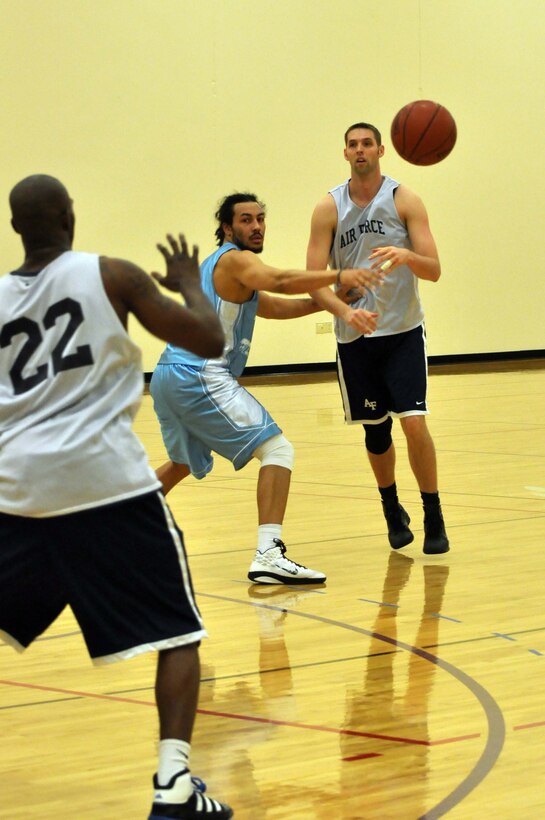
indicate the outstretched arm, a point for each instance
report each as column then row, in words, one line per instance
column 193, row 326
column 238, row 274
column 277, row 307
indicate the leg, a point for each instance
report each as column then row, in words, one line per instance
column 270, row 566
column 421, row 450
column 273, row 486
column 177, row 691
column 383, row 466
column 170, row 474
column 423, row 463
column 177, row 794
column 382, row 457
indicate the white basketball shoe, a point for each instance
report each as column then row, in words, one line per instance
column 272, row 567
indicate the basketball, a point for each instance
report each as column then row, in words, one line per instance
column 423, row 132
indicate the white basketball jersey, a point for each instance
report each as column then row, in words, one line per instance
column 359, row 231
column 70, row 385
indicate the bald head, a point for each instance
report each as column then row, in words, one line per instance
column 42, row 211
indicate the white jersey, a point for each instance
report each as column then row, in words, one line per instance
column 70, row 385
column 359, row 232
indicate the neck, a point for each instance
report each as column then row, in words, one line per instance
column 363, row 189
column 38, row 258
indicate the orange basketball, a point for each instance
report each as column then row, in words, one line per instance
column 423, row 132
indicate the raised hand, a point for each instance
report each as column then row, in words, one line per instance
column 182, row 268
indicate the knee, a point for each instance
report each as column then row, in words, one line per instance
column 414, row 427
column 276, row 451
column 378, row 437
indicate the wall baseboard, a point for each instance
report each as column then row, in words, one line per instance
column 462, row 362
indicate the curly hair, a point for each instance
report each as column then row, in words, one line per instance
column 226, row 211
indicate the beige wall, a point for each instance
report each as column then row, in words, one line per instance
column 151, row 110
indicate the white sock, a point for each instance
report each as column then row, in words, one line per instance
column 265, row 535
column 173, row 758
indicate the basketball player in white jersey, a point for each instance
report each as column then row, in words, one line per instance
column 200, row 404
column 83, row 521
column 373, row 221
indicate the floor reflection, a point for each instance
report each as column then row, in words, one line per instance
column 386, row 770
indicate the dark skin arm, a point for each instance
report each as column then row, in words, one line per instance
column 193, row 326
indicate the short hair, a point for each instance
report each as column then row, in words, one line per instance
column 226, row 211
column 367, row 125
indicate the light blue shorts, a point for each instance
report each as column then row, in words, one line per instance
column 207, row 410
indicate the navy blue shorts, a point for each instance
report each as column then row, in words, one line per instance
column 122, row 569
column 383, row 376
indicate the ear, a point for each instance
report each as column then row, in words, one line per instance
column 381, row 151
column 344, row 152
column 227, row 230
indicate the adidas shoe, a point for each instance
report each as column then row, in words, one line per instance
column 197, row 807
column 397, row 519
column 272, row 567
column 435, row 536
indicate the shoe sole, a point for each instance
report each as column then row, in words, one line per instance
column 402, row 538
column 273, row 578
column 407, row 538
column 436, row 549
column 211, row 815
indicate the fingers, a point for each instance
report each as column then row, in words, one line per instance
column 178, row 248
column 365, row 321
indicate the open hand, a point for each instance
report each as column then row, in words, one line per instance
column 182, row 268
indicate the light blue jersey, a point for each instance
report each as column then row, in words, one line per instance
column 237, row 321
column 200, row 405
column 359, row 232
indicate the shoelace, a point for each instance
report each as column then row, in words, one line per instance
column 282, row 547
column 198, row 784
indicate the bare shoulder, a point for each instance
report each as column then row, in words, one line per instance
column 234, row 261
column 326, row 210
column 121, row 277
column 407, row 201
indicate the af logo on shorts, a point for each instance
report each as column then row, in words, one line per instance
column 244, row 346
column 371, row 404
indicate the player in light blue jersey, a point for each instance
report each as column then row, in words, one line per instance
column 371, row 220
column 200, row 404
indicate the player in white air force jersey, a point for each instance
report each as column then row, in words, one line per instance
column 83, row 521
column 374, row 221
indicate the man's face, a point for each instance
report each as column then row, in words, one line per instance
column 362, row 151
column 248, row 229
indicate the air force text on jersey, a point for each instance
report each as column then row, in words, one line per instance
column 368, row 226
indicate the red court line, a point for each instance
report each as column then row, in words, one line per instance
column 529, row 725
column 351, row 732
column 75, row 692
column 250, row 718
column 359, row 757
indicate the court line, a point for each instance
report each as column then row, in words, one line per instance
column 496, row 723
column 75, row 694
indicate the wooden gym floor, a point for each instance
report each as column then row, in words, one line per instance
column 407, row 687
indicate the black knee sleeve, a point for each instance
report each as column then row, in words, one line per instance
column 378, row 437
